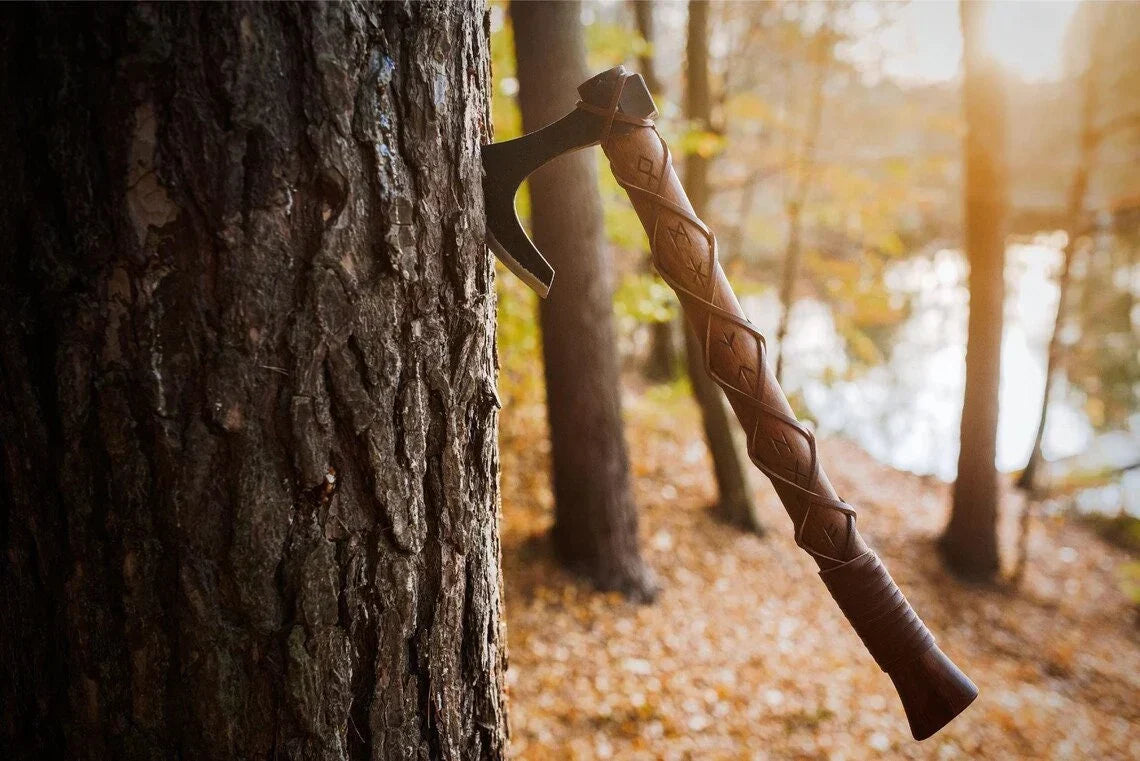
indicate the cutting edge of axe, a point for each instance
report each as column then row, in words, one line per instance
column 506, row 165
column 616, row 111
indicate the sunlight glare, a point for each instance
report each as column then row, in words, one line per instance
column 925, row 44
column 1029, row 37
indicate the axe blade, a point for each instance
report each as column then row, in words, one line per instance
column 507, row 164
column 531, row 266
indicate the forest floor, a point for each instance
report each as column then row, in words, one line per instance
column 744, row 655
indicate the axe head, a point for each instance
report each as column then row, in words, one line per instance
column 506, row 165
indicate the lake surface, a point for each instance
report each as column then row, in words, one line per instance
column 906, row 411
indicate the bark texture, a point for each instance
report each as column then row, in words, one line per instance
column 969, row 543
column 734, row 497
column 247, row 405
column 595, row 521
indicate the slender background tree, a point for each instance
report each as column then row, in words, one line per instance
column 663, row 362
column 595, row 518
column 734, row 496
column 802, row 174
column 969, row 543
column 247, row 407
column 1077, row 223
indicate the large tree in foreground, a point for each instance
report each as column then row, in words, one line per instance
column 247, row 408
column 969, row 543
column 595, row 518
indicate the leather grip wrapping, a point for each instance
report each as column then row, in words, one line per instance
column 932, row 689
column 684, row 253
column 877, row 610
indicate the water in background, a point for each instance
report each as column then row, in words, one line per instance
column 906, row 412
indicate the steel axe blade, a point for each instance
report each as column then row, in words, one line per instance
column 507, row 164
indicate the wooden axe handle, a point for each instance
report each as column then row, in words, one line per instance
column 684, row 250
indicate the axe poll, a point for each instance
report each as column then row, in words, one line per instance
column 616, row 111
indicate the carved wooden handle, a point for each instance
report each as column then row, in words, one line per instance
column 932, row 689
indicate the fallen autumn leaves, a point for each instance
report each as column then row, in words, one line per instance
column 745, row 655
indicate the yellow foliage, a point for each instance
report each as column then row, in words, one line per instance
column 1095, row 409
column 890, row 244
column 1130, row 581
column 645, row 298
column 608, row 45
column 504, row 108
column 862, row 348
column 829, row 269
column 873, row 309
column 517, row 339
column 748, row 107
column 700, row 142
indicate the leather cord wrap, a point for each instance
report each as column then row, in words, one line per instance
column 735, row 355
column 877, row 610
column 684, row 252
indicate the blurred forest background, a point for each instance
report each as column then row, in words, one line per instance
column 827, row 141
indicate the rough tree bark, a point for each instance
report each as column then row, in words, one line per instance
column 969, row 543
column 734, row 497
column 247, row 405
column 595, row 518
column 663, row 363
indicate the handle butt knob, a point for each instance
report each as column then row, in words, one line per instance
column 933, row 691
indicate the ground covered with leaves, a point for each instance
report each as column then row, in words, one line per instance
column 744, row 654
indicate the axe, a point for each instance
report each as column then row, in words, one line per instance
column 616, row 111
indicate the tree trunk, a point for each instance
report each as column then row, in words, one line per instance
column 969, row 543
column 595, row 520
column 1029, row 475
column 1076, row 221
column 247, row 404
column 734, row 497
column 663, row 362
column 662, row 365
column 643, row 15
column 793, row 212
column 804, row 170
column 735, row 237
